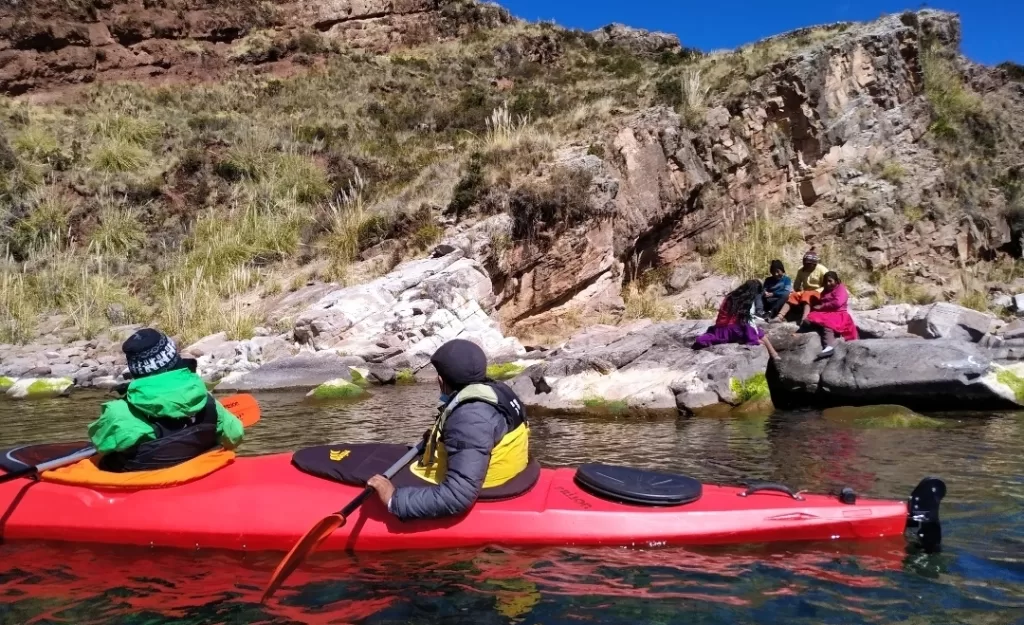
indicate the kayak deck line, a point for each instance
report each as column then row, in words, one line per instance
column 263, row 503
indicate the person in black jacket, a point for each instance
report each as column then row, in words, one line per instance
column 479, row 440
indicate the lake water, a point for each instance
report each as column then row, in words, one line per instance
column 978, row 577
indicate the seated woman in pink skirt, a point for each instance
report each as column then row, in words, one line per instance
column 830, row 316
column 734, row 323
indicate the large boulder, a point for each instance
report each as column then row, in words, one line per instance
column 648, row 367
column 917, row 374
column 887, row 322
column 949, row 321
column 304, row 371
column 400, row 319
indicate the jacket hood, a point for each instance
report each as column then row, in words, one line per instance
column 175, row 394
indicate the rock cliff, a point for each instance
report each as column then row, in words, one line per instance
column 51, row 44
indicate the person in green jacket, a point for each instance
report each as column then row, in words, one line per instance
column 166, row 415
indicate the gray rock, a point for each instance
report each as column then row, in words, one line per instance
column 1013, row 330
column 38, row 372
column 921, row 375
column 651, row 367
column 690, row 402
column 84, row 377
column 1003, row 301
column 681, row 278
column 949, row 321
column 1018, row 302
column 271, row 348
column 636, row 40
column 379, row 374
column 63, row 370
column 18, row 368
column 297, row 372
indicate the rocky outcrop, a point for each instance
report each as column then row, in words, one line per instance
column 402, row 318
column 636, row 40
column 364, row 333
column 827, row 138
column 49, row 44
column 642, row 368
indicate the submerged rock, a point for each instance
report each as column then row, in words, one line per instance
column 337, row 389
column 39, row 388
column 882, row 416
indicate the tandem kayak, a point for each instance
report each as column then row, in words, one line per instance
column 265, row 503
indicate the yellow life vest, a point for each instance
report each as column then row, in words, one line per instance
column 508, row 458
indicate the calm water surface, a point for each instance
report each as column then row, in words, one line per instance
column 978, row 578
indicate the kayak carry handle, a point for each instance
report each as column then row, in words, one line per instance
column 772, row 487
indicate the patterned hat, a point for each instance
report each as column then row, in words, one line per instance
column 150, row 351
column 811, row 257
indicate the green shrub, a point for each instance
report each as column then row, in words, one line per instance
column 754, row 387
column 504, row 371
column 748, row 254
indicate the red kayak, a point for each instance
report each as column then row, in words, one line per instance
column 266, row 503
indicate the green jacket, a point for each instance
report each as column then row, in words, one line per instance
column 174, row 394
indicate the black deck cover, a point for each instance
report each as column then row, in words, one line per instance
column 638, row 486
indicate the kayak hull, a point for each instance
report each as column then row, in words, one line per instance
column 264, row 503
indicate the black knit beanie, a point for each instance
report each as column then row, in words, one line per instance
column 460, row 363
column 149, row 352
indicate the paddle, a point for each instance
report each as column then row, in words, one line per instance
column 319, row 532
column 243, row 406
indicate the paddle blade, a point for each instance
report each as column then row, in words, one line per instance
column 243, row 406
column 303, row 548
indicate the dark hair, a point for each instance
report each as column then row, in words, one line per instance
column 831, row 274
column 777, row 264
column 739, row 302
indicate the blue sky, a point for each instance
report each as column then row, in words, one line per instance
column 991, row 28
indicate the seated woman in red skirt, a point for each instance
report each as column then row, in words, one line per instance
column 734, row 323
column 830, row 316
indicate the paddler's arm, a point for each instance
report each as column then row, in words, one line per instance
column 469, row 436
column 229, row 428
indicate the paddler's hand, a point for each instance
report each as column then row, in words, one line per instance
column 385, row 489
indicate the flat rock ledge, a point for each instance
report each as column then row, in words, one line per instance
column 643, row 368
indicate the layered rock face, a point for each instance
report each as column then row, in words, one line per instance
column 803, row 142
column 50, row 44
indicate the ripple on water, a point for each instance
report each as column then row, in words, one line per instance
column 979, row 577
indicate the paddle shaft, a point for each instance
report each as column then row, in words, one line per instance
column 390, row 473
column 51, row 464
column 319, row 532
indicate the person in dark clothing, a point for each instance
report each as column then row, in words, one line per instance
column 479, row 440
column 773, row 296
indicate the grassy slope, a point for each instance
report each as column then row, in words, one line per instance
column 138, row 204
